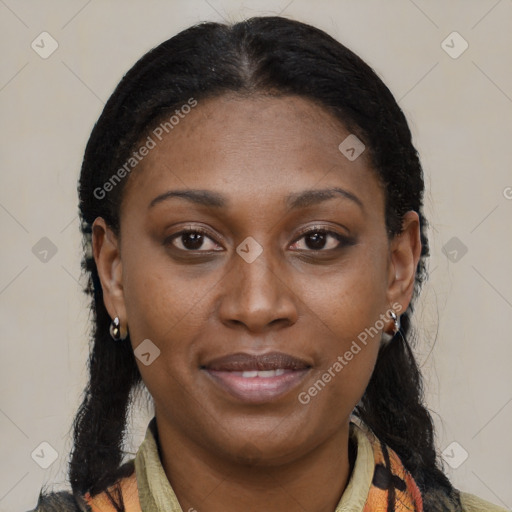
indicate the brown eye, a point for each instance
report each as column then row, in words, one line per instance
column 316, row 241
column 320, row 240
column 193, row 240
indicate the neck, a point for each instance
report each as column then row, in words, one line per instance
column 205, row 482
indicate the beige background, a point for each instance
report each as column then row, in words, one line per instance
column 460, row 112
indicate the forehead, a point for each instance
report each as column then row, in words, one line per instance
column 258, row 146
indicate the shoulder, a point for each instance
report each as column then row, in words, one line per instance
column 62, row 501
column 472, row 503
column 65, row 501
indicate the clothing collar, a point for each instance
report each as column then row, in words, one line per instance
column 155, row 491
column 378, row 480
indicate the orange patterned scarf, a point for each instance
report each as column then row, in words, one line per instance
column 392, row 490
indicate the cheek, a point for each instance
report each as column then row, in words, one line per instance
column 166, row 310
column 346, row 308
column 351, row 298
column 162, row 303
column 171, row 309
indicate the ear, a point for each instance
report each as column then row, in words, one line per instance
column 405, row 251
column 107, row 256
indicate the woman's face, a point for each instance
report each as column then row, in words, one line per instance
column 253, row 255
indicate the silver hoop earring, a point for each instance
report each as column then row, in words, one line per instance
column 115, row 330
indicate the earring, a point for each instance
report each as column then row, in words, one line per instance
column 396, row 323
column 386, row 336
column 115, row 330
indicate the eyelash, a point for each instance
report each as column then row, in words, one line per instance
column 343, row 240
column 200, row 231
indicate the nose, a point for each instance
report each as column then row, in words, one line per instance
column 257, row 297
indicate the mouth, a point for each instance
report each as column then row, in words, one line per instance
column 257, row 378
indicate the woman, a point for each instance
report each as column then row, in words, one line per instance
column 254, row 205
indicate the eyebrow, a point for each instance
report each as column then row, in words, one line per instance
column 293, row 201
column 309, row 197
column 201, row 197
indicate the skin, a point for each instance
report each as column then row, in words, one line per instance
column 280, row 455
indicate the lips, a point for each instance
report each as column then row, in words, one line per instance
column 257, row 378
column 242, row 362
